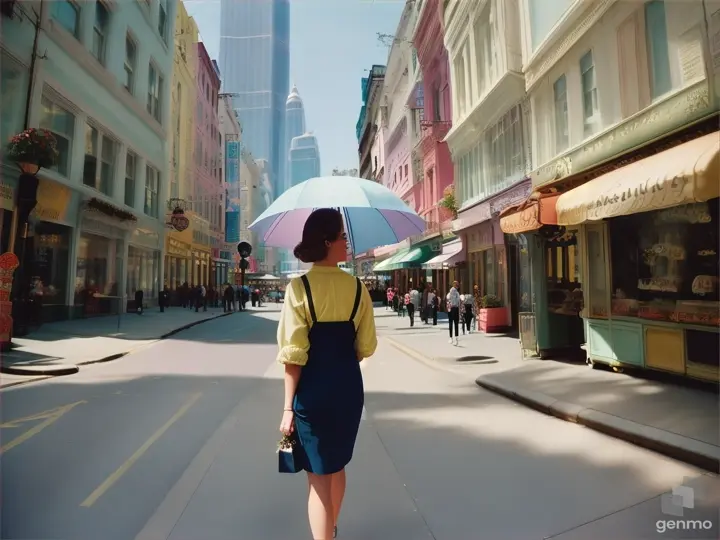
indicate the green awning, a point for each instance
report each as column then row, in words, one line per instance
column 413, row 258
column 384, row 266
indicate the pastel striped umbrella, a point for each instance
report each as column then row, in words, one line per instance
column 374, row 216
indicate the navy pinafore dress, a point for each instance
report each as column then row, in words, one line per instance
column 330, row 396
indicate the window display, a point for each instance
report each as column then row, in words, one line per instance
column 665, row 264
column 562, row 271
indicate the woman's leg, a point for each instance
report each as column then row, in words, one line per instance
column 337, row 491
column 320, row 506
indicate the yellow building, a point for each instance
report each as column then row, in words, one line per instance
column 179, row 264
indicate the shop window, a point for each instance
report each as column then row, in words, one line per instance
column 143, row 267
column 61, row 123
column 51, row 260
column 13, row 93
column 597, row 286
column 665, row 264
column 488, row 262
column 95, row 283
column 562, row 272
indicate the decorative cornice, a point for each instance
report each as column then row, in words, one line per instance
column 538, row 66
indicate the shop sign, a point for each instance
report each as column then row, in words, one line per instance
column 492, row 206
column 93, row 226
column 178, row 248
column 522, row 221
column 681, row 110
column 481, row 237
column 52, row 201
column 179, row 222
column 7, row 196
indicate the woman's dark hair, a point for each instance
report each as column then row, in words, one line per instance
column 323, row 225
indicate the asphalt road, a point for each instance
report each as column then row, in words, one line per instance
column 178, row 441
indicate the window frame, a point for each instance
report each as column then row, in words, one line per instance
column 71, row 138
column 130, row 67
column 103, row 137
column 561, row 146
column 151, row 207
column 78, row 16
column 162, row 27
column 590, row 123
column 132, row 177
column 101, row 31
column 155, row 108
column 588, row 282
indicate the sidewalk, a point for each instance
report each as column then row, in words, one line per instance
column 678, row 421
column 59, row 348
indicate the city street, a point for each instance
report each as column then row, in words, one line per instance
column 177, row 441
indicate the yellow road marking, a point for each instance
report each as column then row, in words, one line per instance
column 125, row 467
column 51, row 416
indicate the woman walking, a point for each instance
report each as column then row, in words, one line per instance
column 326, row 329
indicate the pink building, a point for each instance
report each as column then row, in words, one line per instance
column 208, row 183
column 437, row 164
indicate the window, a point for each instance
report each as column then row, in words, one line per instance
column 67, row 14
column 657, row 47
column 459, row 67
column 13, row 93
column 130, row 174
column 155, row 82
column 152, row 181
column 62, row 125
column 589, row 93
column 162, row 21
column 437, row 116
column 597, row 276
column 91, row 156
column 130, row 59
column 562, row 137
column 99, row 160
column 100, row 31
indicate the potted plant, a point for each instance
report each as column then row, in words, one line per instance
column 492, row 316
column 33, row 149
column 448, row 202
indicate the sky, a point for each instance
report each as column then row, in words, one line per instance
column 333, row 44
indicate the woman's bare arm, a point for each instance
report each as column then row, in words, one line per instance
column 292, row 376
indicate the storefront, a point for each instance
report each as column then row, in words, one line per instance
column 178, row 259
column 649, row 233
column 49, row 247
column 143, row 265
column 447, row 267
column 407, row 267
column 201, row 256
column 544, row 277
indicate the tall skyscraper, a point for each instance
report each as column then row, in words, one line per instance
column 304, row 158
column 255, row 62
column 294, row 127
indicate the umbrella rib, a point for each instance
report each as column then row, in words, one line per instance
column 274, row 226
column 386, row 221
column 349, row 226
column 403, row 214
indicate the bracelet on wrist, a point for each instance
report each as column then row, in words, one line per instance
column 288, row 409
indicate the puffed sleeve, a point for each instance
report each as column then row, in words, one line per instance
column 292, row 333
column 366, row 340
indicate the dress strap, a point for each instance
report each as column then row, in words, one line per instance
column 358, row 293
column 308, row 293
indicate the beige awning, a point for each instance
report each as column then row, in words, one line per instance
column 687, row 173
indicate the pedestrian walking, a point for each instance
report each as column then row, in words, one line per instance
column 139, row 299
column 414, row 303
column 453, row 299
column 431, row 307
column 326, row 328
column 467, row 312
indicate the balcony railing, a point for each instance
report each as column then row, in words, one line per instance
column 437, row 129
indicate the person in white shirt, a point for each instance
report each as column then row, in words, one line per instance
column 413, row 305
column 431, row 307
column 453, row 299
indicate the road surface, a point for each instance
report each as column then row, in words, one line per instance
column 177, row 441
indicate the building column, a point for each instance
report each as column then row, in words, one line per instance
column 72, row 270
column 123, row 272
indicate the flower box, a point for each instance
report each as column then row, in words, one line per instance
column 493, row 320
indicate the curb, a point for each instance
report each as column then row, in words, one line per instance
column 414, row 354
column 50, row 370
column 700, row 454
column 76, row 367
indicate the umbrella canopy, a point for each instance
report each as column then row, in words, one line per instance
column 374, row 216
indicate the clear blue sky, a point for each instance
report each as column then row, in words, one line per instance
column 332, row 44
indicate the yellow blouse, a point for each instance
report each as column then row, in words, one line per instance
column 333, row 292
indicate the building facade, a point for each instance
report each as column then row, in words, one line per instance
column 181, row 169
column 232, row 196
column 103, row 90
column 304, row 159
column 255, row 63
column 294, row 127
column 624, row 105
column 489, row 142
column 367, row 127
